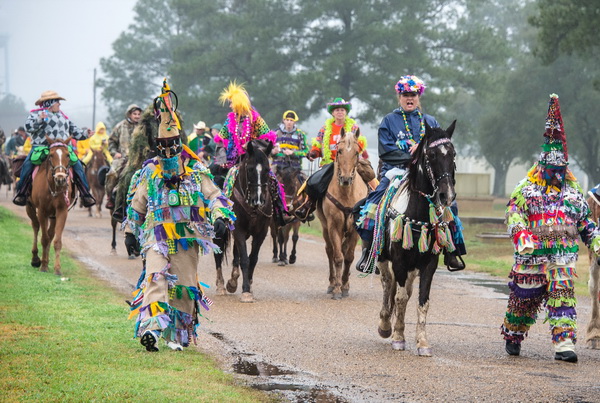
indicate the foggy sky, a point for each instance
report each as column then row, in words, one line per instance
column 55, row 45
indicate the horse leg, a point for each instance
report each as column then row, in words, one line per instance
column 45, row 242
column 57, row 231
column 593, row 329
column 282, row 238
column 274, row 236
column 35, row 224
column 348, row 246
column 235, row 270
column 425, row 280
column 113, row 244
column 296, row 227
column 329, row 252
column 244, row 267
column 219, row 265
column 403, row 293
column 336, row 262
column 388, row 283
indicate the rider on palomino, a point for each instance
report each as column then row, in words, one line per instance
column 546, row 215
column 324, row 146
column 176, row 210
column 244, row 124
column 49, row 122
column 399, row 134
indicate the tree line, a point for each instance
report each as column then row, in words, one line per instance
column 490, row 64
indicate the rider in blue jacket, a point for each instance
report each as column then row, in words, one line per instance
column 398, row 136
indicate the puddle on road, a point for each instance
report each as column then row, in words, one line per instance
column 496, row 284
column 274, row 379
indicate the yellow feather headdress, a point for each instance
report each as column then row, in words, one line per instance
column 237, row 95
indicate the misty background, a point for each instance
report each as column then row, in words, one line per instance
column 489, row 64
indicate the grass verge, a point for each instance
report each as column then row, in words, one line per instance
column 70, row 340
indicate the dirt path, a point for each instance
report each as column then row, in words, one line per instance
column 296, row 340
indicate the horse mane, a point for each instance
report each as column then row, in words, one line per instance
column 418, row 158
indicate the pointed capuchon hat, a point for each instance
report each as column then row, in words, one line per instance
column 165, row 106
column 554, row 149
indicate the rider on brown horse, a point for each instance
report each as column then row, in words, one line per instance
column 49, row 122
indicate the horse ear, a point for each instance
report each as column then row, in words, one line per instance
column 427, row 127
column 450, row 129
column 357, row 132
column 269, row 148
column 342, row 133
column 250, row 147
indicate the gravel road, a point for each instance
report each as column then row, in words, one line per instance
column 297, row 341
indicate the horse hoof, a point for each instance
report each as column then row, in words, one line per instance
column 398, row 345
column 221, row 291
column 113, row 252
column 337, row 297
column 247, row 297
column 36, row 262
column 329, row 290
column 274, row 260
column 345, row 293
column 384, row 333
column 424, row 351
column 44, row 269
column 292, row 259
column 281, row 263
column 594, row 344
column 57, row 272
column 231, row 286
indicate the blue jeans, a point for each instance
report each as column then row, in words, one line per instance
column 27, row 170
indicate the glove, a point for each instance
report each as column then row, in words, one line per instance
column 131, row 244
column 220, row 228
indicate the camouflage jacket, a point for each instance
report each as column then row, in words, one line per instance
column 120, row 137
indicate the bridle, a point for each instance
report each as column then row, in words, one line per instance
column 339, row 172
column 57, row 171
column 244, row 194
column 433, row 180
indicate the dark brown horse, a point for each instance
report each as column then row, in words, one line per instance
column 592, row 336
column 52, row 194
column 430, row 183
column 253, row 208
column 291, row 178
column 91, row 172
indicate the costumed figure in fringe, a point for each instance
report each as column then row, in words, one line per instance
column 242, row 125
column 546, row 215
column 176, row 210
column 45, row 124
column 324, row 146
column 398, row 137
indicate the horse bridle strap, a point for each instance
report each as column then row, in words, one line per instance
column 346, row 210
column 247, row 208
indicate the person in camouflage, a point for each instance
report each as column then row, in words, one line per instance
column 118, row 146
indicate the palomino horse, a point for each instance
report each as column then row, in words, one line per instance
column 91, row 172
column 253, row 208
column 52, row 194
column 291, row 178
column 335, row 213
column 592, row 336
column 430, row 184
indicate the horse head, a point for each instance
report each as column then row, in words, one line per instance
column 59, row 161
column 289, row 177
column 348, row 151
column 255, row 166
column 431, row 172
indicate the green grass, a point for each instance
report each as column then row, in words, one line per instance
column 71, row 340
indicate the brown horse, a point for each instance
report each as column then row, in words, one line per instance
column 335, row 214
column 91, row 172
column 593, row 330
column 52, row 194
column 292, row 179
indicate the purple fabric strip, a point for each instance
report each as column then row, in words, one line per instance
column 526, row 292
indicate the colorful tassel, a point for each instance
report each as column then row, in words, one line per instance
column 433, row 218
column 449, row 243
column 423, row 239
column 396, row 234
column 447, row 216
column 407, row 236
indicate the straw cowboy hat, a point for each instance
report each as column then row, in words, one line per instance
column 200, row 125
column 47, row 95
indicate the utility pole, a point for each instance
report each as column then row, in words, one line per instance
column 94, row 110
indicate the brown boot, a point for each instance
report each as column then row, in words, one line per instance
column 304, row 211
column 453, row 262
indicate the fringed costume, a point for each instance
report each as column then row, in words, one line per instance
column 546, row 215
column 173, row 206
